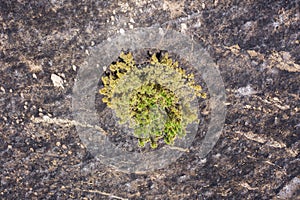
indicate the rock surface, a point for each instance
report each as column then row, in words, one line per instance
column 254, row 43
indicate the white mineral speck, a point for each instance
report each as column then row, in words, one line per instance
column 183, row 27
column 2, row 89
column 122, row 31
column 132, row 20
column 246, row 91
column 50, row 63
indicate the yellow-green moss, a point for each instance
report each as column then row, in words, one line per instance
column 154, row 99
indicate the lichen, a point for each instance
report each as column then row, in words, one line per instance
column 153, row 98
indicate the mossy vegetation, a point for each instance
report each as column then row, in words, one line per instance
column 153, row 98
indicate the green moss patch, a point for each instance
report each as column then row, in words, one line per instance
column 153, row 98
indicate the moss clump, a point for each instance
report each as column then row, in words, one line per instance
column 157, row 112
column 154, row 98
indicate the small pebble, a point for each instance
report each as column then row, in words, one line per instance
column 57, row 80
column 74, row 67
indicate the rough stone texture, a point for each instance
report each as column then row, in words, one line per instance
column 256, row 157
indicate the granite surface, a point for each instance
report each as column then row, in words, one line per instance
column 255, row 44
